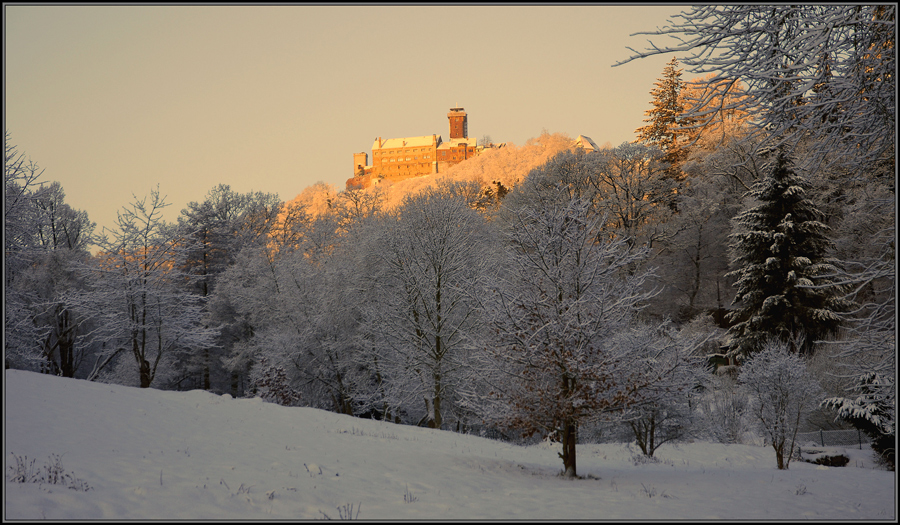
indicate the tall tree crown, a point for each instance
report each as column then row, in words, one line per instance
column 666, row 118
column 667, row 108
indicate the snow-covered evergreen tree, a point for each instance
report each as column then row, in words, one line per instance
column 666, row 119
column 780, row 251
column 871, row 408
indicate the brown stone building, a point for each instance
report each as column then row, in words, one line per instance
column 404, row 158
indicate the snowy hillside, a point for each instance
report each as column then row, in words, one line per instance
column 148, row 454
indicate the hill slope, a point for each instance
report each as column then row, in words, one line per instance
column 149, row 454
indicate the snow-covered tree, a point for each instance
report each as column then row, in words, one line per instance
column 626, row 184
column 318, row 328
column 868, row 353
column 217, row 230
column 633, row 192
column 724, row 121
column 258, row 297
column 871, row 408
column 214, row 224
column 237, row 314
column 722, row 408
column 274, row 295
column 823, row 73
column 782, row 392
column 354, row 206
column 780, row 250
column 569, row 171
column 64, row 235
column 693, row 258
column 670, row 359
column 245, row 302
column 138, row 291
column 666, row 120
column 566, row 291
column 431, row 256
column 43, row 238
column 20, row 245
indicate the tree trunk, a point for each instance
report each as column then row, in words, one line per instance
column 234, row 384
column 67, row 357
column 568, row 446
column 66, row 343
column 206, row 382
column 346, row 407
column 438, row 419
column 429, row 419
column 145, row 374
column 779, row 455
column 695, row 289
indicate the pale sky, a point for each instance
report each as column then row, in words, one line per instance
column 111, row 100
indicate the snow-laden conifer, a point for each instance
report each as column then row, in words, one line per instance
column 780, row 250
column 666, row 119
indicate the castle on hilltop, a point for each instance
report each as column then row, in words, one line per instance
column 404, row 158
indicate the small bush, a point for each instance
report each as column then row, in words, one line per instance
column 832, row 461
column 52, row 473
column 651, row 491
column 638, row 459
column 275, row 387
column 345, row 512
column 409, row 497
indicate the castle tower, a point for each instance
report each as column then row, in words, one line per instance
column 359, row 163
column 459, row 126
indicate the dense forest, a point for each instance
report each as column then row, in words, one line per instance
column 534, row 290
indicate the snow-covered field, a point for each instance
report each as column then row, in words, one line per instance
column 154, row 455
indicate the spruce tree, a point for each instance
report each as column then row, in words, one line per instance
column 780, row 253
column 665, row 119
